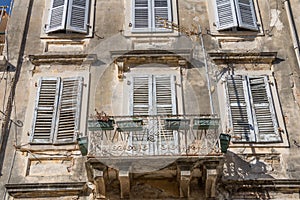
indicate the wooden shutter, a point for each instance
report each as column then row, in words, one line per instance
column 225, row 14
column 141, row 95
column 45, row 110
column 164, row 95
column 264, row 114
column 142, row 14
column 57, row 15
column 68, row 115
column 78, row 15
column 246, row 14
column 239, row 109
column 162, row 9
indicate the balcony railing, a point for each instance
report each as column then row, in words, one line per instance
column 188, row 135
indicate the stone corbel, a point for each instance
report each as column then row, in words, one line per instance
column 100, row 183
column 210, row 183
column 182, row 63
column 124, row 183
column 120, row 66
column 184, row 180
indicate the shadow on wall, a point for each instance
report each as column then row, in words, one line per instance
column 237, row 168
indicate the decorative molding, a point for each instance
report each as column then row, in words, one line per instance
column 136, row 57
column 29, row 190
column 62, row 59
column 243, row 57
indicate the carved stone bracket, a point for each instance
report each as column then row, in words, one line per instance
column 184, row 180
column 243, row 57
column 124, row 183
column 210, row 183
column 100, row 183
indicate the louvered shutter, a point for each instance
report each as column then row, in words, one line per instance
column 264, row 114
column 164, row 95
column 246, row 14
column 141, row 95
column 68, row 115
column 142, row 14
column 162, row 9
column 45, row 110
column 57, row 15
column 239, row 109
column 225, row 14
column 78, row 15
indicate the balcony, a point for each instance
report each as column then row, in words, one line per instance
column 134, row 136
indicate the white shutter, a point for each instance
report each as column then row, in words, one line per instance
column 57, row 15
column 164, row 95
column 263, row 109
column 246, row 14
column 68, row 115
column 78, row 15
column 240, row 109
column 141, row 14
column 45, row 110
column 162, row 9
column 141, row 95
column 225, row 14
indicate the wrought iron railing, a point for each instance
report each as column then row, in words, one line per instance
column 187, row 135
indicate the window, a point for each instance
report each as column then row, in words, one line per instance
column 68, row 15
column 57, row 110
column 235, row 14
column 147, row 12
column 251, row 112
column 153, row 95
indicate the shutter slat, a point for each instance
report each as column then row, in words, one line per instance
column 265, row 119
column 69, row 110
column 225, row 14
column 246, row 14
column 57, row 15
column 45, row 110
column 240, row 119
column 78, row 16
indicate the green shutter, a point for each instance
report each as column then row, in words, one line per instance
column 68, row 116
column 45, row 110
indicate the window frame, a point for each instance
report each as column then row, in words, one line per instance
column 151, row 18
column 129, row 30
column 244, row 101
column 153, row 104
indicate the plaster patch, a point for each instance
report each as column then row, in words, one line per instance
column 275, row 20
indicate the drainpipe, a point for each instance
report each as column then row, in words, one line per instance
column 293, row 30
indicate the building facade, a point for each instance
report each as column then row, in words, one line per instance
column 138, row 99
